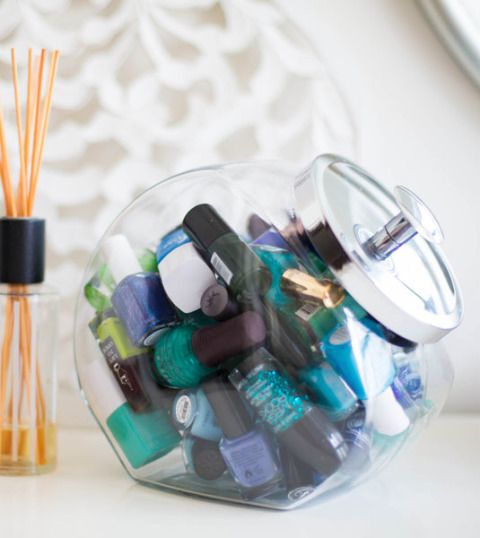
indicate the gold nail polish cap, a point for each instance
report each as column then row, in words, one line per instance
column 299, row 284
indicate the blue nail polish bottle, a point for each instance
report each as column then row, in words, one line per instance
column 271, row 238
column 142, row 437
column 139, row 299
column 364, row 361
column 192, row 412
column 246, row 449
column 329, row 391
column 358, row 436
column 299, row 425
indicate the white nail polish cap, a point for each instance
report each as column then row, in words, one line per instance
column 388, row 417
column 185, row 276
column 102, row 391
column 120, row 257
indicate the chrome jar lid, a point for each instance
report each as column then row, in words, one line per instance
column 383, row 248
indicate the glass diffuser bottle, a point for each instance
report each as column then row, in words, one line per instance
column 28, row 326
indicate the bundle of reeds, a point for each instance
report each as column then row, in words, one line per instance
column 23, row 421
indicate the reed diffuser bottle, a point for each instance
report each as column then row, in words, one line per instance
column 28, row 308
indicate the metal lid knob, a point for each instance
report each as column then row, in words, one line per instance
column 414, row 218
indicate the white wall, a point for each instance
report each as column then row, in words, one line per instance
column 418, row 121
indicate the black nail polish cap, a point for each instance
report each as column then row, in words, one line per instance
column 22, row 250
column 230, row 411
column 207, row 460
column 204, row 225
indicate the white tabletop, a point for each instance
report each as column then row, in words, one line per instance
column 432, row 489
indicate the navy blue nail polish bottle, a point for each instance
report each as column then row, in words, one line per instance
column 139, row 299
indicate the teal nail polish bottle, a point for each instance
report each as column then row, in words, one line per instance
column 142, row 437
column 278, row 261
column 329, row 391
column 185, row 355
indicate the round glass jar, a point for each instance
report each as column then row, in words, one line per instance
column 261, row 334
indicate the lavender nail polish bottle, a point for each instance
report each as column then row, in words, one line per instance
column 246, row 448
column 139, row 299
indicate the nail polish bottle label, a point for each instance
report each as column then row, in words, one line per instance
column 221, row 268
column 275, row 398
column 123, row 370
column 183, row 411
column 185, row 277
column 170, row 242
column 250, row 459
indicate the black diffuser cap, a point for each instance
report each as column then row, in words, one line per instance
column 207, row 460
column 316, row 441
column 204, row 225
column 22, row 250
column 230, row 411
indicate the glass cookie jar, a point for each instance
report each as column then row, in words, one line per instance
column 265, row 335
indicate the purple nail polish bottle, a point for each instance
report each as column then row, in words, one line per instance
column 246, row 449
column 139, row 299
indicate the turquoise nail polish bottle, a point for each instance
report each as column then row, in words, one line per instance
column 175, row 362
column 329, row 391
column 185, row 356
column 278, row 261
column 142, row 437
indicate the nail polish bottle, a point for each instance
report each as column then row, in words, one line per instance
column 256, row 226
column 139, row 299
column 124, row 360
column 217, row 303
column 278, row 261
column 300, row 479
column 192, row 412
column 308, row 322
column 246, row 448
column 321, row 292
column 409, row 377
column 98, row 290
column 236, row 264
column 329, row 391
column 299, row 426
column 364, row 361
column 171, row 241
column 184, row 356
column 142, row 437
column 358, row 436
column 203, row 458
column 185, row 276
column 271, row 238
